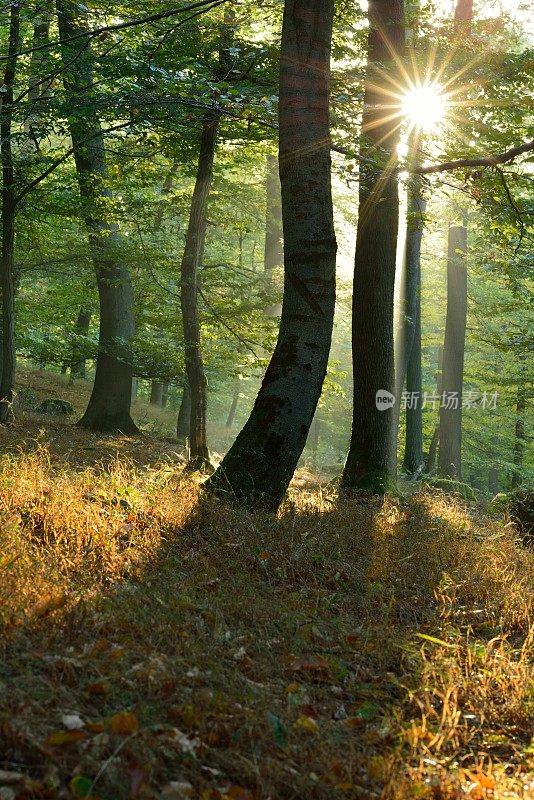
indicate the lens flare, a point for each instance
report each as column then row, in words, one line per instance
column 424, row 106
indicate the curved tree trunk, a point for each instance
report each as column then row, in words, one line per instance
column 191, row 263
column 259, row 466
column 7, row 264
column 371, row 461
column 110, row 401
column 450, row 413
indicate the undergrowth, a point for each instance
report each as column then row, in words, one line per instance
column 157, row 643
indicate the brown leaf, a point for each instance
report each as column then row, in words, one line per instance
column 60, row 738
column 125, row 723
column 98, row 688
column 314, row 666
column 238, row 793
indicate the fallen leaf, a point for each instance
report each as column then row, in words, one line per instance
column 314, row 666
column 125, row 723
column 59, row 738
column 306, row 724
column 81, row 787
column 238, row 793
column 99, row 688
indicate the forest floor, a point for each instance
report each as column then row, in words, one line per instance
column 156, row 643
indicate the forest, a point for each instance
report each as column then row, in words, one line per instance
column 266, row 384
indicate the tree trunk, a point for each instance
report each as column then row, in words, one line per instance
column 519, row 444
column 260, row 464
column 411, row 346
column 39, row 83
column 274, row 248
column 313, row 439
column 371, row 462
column 110, row 401
column 184, row 416
column 8, row 222
column 156, row 394
column 413, row 451
column 191, row 263
column 430, row 464
column 77, row 369
column 450, row 413
column 233, row 407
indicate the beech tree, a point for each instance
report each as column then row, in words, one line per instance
column 110, row 401
column 371, row 461
column 261, row 462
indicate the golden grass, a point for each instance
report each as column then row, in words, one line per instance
column 339, row 650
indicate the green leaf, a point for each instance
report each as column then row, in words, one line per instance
column 81, row 787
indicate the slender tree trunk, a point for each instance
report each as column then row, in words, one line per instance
column 274, row 248
column 191, row 263
column 519, row 444
column 77, row 369
column 8, row 221
column 184, row 416
column 110, row 401
column 233, row 406
column 450, row 413
column 413, row 451
column 259, row 466
column 315, row 432
column 371, row 462
column 493, row 480
column 39, row 85
column 430, row 464
column 411, row 346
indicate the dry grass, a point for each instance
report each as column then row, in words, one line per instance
column 254, row 657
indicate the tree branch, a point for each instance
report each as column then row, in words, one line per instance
column 120, row 26
column 483, row 161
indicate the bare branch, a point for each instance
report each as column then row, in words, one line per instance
column 483, row 161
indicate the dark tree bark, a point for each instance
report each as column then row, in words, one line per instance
column 315, row 433
column 519, row 444
column 450, row 413
column 233, row 406
column 431, row 459
column 110, row 401
column 371, row 461
column 184, row 416
column 258, row 467
column 77, row 369
column 9, row 211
